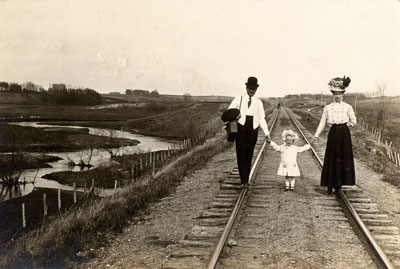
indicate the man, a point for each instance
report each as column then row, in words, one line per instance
column 251, row 116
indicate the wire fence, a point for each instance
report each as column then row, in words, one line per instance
column 387, row 144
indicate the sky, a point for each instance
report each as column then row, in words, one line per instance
column 202, row 47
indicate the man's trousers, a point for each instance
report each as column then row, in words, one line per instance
column 245, row 142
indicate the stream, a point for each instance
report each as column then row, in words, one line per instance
column 100, row 157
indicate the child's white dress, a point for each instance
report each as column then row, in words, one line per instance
column 288, row 165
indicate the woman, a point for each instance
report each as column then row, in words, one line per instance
column 338, row 168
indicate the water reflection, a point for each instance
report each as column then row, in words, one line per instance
column 100, row 157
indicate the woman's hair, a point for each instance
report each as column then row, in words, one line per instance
column 341, row 83
column 291, row 133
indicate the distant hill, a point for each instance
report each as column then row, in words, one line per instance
column 162, row 98
column 12, row 98
column 393, row 100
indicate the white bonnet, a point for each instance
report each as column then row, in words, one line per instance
column 291, row 133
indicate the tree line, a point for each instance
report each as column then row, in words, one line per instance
column 56, row 94
column 72, row 96
column 318, row 96
column 17, row 88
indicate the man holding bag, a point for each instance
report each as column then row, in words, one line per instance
column 251, row 116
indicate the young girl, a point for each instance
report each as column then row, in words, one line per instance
column 288, row 167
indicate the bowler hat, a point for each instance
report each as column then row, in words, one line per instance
column 252, row 83
column 230, row 114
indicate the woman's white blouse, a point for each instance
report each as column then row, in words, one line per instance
column 336, row 113
column 288, row 165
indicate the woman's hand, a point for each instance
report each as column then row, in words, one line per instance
column 349, row 124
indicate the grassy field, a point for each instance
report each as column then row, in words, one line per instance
column 165, row 98
column 20, row 138
column 368, row 109
column 164, row 116
column 29, row 161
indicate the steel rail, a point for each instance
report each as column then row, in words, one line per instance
column 217, row 251
column 351, row 213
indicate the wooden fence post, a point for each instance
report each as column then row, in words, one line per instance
column 59, row 199
column 398, row 158
column 45, row 208
column 23, row 216
column 115, row 188
column 154, row 165
column 133, row 173
column 74, row 184
column 93, row 184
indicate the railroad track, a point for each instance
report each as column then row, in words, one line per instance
column 265, row 227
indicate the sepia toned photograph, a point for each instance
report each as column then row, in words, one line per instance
column 191, row 134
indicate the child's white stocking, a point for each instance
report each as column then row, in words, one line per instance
column 292, row 182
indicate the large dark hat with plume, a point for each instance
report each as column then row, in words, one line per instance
column 339, row 84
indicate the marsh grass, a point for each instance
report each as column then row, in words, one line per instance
column 56, row 243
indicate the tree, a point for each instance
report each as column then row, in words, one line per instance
column 154, row 93
column 31, row 87
column 187, row 97
column 11, row 171
column 109, row 137
column 382, row 107
column 86, row 156
column 14, row 87
column 4, row 85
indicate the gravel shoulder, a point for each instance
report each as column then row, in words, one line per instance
column 152, row 235
column 384, row 194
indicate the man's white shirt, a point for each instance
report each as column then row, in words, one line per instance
column 256, row 110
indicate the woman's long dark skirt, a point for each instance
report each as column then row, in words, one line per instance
column 338, row 166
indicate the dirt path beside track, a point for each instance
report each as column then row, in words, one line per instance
column 151, row 237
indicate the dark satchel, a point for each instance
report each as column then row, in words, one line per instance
column 230, row 117
column 231, row 130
